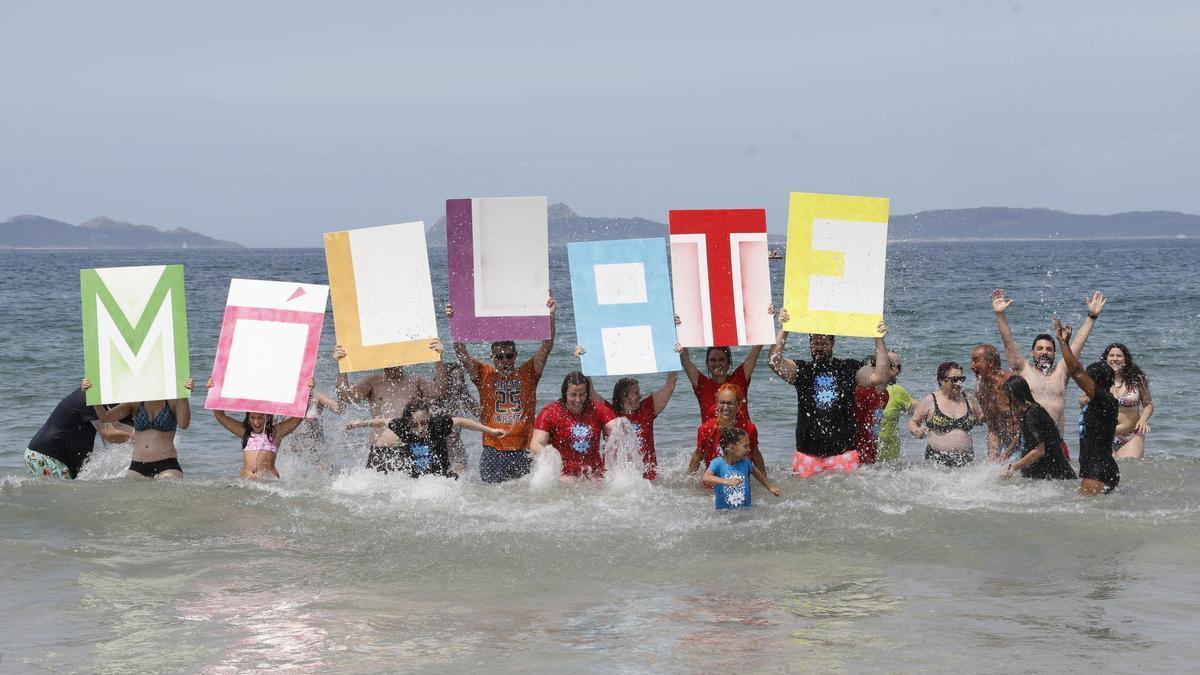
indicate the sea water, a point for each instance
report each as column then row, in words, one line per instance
column 340, row 569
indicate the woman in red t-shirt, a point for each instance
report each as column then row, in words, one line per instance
column 708, row 435
column 575, row 424
column 627, row 402
column 719, row 360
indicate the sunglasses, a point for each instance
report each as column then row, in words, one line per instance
column 957, row 379
column 504, row 356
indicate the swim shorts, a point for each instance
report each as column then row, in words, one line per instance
column 43, row 465
column 807, row 466
column 496, row 466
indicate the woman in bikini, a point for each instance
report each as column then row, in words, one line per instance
column 945, row 418
column 1132, row 391
column 261, row 437
column 154, row 425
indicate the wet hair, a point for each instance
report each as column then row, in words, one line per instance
column 728, row 353
column 501, row 344
column 990, row 354
column 1045, row 336
column 268, row 429
column 1130, row 372
column 1102, row 374
column 730, row 437
column 730, row 386
column 620, row 389
column 1017, row 390
column 575, row 377
column 945, row 368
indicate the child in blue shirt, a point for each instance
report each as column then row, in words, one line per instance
column 730, row 473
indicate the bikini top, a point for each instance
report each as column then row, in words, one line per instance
column 260, row 443
column 1130, row 398
column 163, row 421
column 941, row 423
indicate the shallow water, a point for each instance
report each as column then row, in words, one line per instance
column 335, row 569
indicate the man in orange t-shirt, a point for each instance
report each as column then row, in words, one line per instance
column 507, row 400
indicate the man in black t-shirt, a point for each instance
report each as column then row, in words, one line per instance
column 825, row 399
column 65, row 441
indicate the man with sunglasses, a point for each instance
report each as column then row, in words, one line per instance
column 507, row 400
column 825, row 426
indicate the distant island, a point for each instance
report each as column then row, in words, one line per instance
column 37, row 232
column 977, row 224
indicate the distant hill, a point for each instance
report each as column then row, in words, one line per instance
column 101, row 232
column 1009, row 223
column 567, row 226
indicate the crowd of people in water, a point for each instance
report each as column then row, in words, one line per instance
column 848, row 414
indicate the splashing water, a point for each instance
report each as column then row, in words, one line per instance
column 547, row 470
column 623, row 463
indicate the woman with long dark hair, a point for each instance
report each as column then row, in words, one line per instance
column 1043, row 457
column 574, row 425
column 261, row 437
column 425, row 435
column 1097, row 468
column 1131, row 388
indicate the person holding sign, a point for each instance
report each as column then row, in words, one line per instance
column 261, row 437
column 718, row 361
column 507, row 400
column 154, row 453
column 825, row 426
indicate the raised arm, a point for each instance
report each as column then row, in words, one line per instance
column 182, row 408
column 349, row 393
column 543, row 353
column 784, row 367
column 1000, row 304
column 234, row 426
column 751, row 362
column 1074, row 368
column 440, row 385
column 868, row 376
column 663, row 393
column 115, row 413
column 1094, row 307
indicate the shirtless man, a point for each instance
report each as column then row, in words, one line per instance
column 1047, row 378
column 1003, row 428
column 507, row 400
column 388, row 392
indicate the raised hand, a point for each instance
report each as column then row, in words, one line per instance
column 449, row 311
column 338, row 353
column 1063, row 333
column 579, row 351
column 435, row 345
column 784, row 317
column 1096, row 304
column 85, row 384
column 550, row 303
column 999, row 302
column 189, row 384
column 881, row 329
column 210, row 384
column 678, row 320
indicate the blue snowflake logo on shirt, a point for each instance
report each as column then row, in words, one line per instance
column 824, row 391
column 581, row 438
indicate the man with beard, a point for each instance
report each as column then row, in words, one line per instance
column 825, row 426
column 1047, row 378
column 387, row 394
column 1003, row 428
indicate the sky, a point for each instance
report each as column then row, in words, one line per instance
column 270, row 123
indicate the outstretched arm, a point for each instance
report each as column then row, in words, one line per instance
column 346, row 392
column 1000, row 304
column 234, row 426
column 762, row 478
column 868, row 376
column 1074, row 368
column 784, row 367
column 468, row 423
column 751, row 362
column 1094, row 307
column 543, row 353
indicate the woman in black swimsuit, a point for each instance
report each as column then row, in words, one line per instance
column 1043, row 459
column 1097, row 467
column 949, row 438
column 154, row 425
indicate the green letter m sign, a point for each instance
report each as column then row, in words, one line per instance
column 135, row 342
